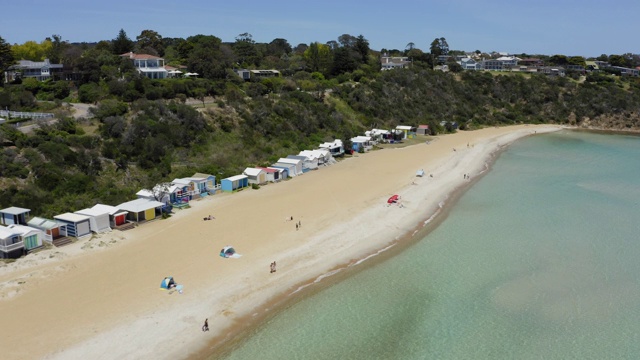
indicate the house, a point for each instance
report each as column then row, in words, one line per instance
column 11, row 245
column 390, row 62
column 531, row 63
column 335, row 147
column 142, row 209
column 552, row 71
column 31, row 237
column 40, row 70
column 255, row 175
column 625, row 71
column 233, row 183
column 50, row 228
column 148, row 65
column 470, row 64
column 312, row 159
column 491, row 65
column 423, row 130
column 117, row 217
column 297, row 165
column 73, row 225
column 14, row 215
column 271, row 175
column 248, row 75
column 309, row 162
column 409, row 131
column 98, row 219
column 165, row 193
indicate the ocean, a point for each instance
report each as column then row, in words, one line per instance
column 539, row 259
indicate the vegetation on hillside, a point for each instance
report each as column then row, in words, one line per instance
column 144, row 132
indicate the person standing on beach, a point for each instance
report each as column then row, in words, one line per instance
column 205, row 327
column 274, row 266
column 296, row 227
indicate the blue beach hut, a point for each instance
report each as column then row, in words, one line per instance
column 234, row 183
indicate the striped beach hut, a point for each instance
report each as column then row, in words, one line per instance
column 74, row 225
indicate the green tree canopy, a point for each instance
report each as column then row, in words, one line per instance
column 121, row 44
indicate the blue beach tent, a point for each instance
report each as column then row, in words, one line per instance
column 167, row 282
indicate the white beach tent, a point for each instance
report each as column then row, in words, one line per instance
column 98, row 219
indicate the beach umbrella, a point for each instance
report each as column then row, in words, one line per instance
column 393, row 199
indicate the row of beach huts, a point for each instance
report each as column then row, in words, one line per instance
column 21, row 233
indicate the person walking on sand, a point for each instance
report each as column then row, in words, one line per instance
column 205, row 327
column 296, row 227
column 274, row 266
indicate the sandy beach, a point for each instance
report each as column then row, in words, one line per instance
column 100, row 298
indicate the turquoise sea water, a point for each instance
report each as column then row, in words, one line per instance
column 540, row 259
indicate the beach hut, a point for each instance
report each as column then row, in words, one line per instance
column 420, row 173
column 297, row 165
column 49, row 228
column 234, row 183
column 335, row 147
column 117, row 217
column 282, row 173
column 423, row 130
column 289, row 169
column 142, row 209
column 361, row 143
column 14, row 215
column 271, row 175
column 30, row 236
column 98, row 219
column 74, row 225
column 309, row 161
column 210, row 185
column 11, row 245
column 255, row 175
column 408, row 131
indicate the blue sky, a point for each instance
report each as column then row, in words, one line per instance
column 569, row 27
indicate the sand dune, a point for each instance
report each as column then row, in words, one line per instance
column 100, row 299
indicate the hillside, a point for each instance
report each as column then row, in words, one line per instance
column 126, row 146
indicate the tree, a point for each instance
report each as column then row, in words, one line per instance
column 150, row 40
column 246, row 51
column 438, row 47
column 31, row 50
column 318, row 57
column 121, row 44
column 278, row 47
column 6, row 57
column 362, row 47
column 410, row 46
column 56, row 51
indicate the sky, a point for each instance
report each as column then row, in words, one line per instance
column 544, row 27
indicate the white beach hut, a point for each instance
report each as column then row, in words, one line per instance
column 255, row 175
column 297, row 164
column 98, row 219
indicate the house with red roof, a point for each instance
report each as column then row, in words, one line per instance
column 149, row 65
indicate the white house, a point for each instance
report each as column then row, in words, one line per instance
column 335, row 147
column 31, row 237
column 74, row 225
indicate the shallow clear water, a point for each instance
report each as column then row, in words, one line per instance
column 538, row 260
